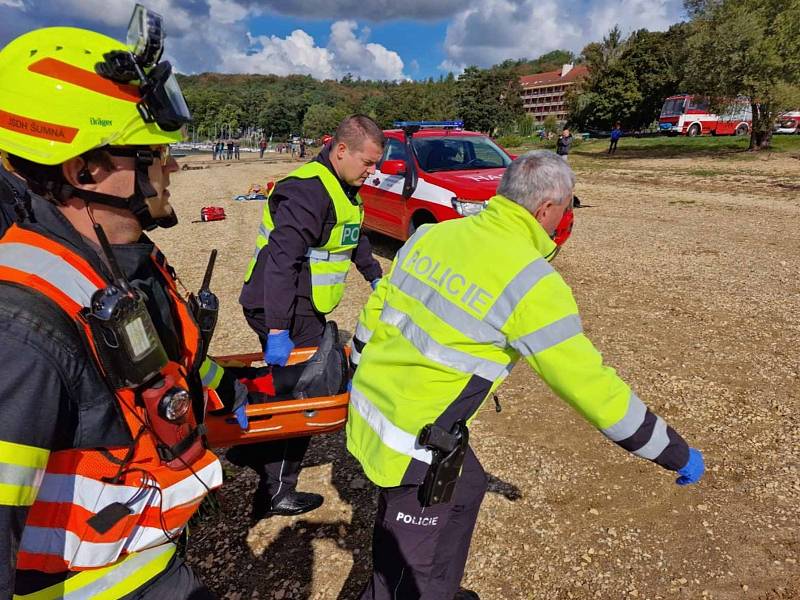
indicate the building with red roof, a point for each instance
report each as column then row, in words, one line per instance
column 543, row 94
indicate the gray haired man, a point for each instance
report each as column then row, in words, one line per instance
column 437, row 336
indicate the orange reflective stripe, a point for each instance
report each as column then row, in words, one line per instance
column 214, row 401
column 190, row 332
column 40, row 285
column 88, row 80
column 77, row 483
column 36, row 128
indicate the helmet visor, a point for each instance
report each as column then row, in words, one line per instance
column 162, row 99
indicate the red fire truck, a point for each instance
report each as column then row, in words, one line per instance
column 788, row 122
column 690, row 115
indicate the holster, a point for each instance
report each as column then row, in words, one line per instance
column 449, row 450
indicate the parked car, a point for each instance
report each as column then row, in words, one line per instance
column 431, row 172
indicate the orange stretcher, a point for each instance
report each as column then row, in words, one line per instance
column 280, row 419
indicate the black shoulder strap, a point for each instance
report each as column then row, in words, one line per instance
column 14, row 201
column 97, row 418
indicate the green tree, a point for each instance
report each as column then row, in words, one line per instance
column 745, row 48
column 489, row 99
column 550, row 124
column 628, row 78
column 321, row 119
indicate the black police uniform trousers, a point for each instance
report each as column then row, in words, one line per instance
column 278, row 463
column 419, row 552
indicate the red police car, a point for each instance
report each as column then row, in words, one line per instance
column 432, row 171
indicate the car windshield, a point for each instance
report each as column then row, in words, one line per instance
column 458, row 153
column 673, row 106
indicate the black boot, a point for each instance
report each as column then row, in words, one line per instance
column 463, row 594
column 295, row 503
column 325, row 373
column 261, row 500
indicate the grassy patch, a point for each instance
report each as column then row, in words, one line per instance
column 704, row 173
column 668, row 147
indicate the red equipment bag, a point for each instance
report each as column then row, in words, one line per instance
column 212, row 213
column 280, row 419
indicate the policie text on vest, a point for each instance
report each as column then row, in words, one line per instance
column 477, row 298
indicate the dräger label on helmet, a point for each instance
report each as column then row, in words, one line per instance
column 101, row 122
column 420, row 521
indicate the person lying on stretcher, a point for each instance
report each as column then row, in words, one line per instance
column 326, row 373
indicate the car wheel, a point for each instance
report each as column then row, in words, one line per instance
column 694, row 130
column 418, row 219
column 742, row 130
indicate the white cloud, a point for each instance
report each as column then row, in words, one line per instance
column 355, row 55
column 13, row 4
column 346, row 52
column 226, row 11
column 296, row 53
column 117, row 13
column 373, row 10
column 490, row 31
column 631, row 15
column 495, row 30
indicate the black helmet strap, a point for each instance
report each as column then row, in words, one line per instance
column 143, row 189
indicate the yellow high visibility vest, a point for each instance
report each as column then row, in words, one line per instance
column 464, row 300
column 329, row 262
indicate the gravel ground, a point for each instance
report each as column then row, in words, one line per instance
column 686, row 272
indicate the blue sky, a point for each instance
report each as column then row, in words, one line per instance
column 379, row 39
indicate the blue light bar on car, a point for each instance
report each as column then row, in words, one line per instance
column 404, row 124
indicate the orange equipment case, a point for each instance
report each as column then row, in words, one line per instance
column 280, row 419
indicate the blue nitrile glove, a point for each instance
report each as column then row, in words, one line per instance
column 279, row 346
column 241, row 416
column 374, row 283
column 693, row 470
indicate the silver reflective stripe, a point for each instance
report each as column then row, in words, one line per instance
column 390, row 434
column 447, row 311
column 548, row 336
column 438, row 353
column 262, row 231
column 53, row 269
column 516, row 290
column 630, row 423
column 658, row 441
column 355, row 355
column 405, row 250
column 328, row 278
column 362, row 334
column 120, row 572
column 69, row 546
column 211, row 374
column 18, row 475
column 317, row 255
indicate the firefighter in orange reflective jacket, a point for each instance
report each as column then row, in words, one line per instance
column 105, row 380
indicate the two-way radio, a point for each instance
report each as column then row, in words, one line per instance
column 205, row 305
column 126, row 341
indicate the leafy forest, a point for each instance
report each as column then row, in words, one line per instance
column 727, row 48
